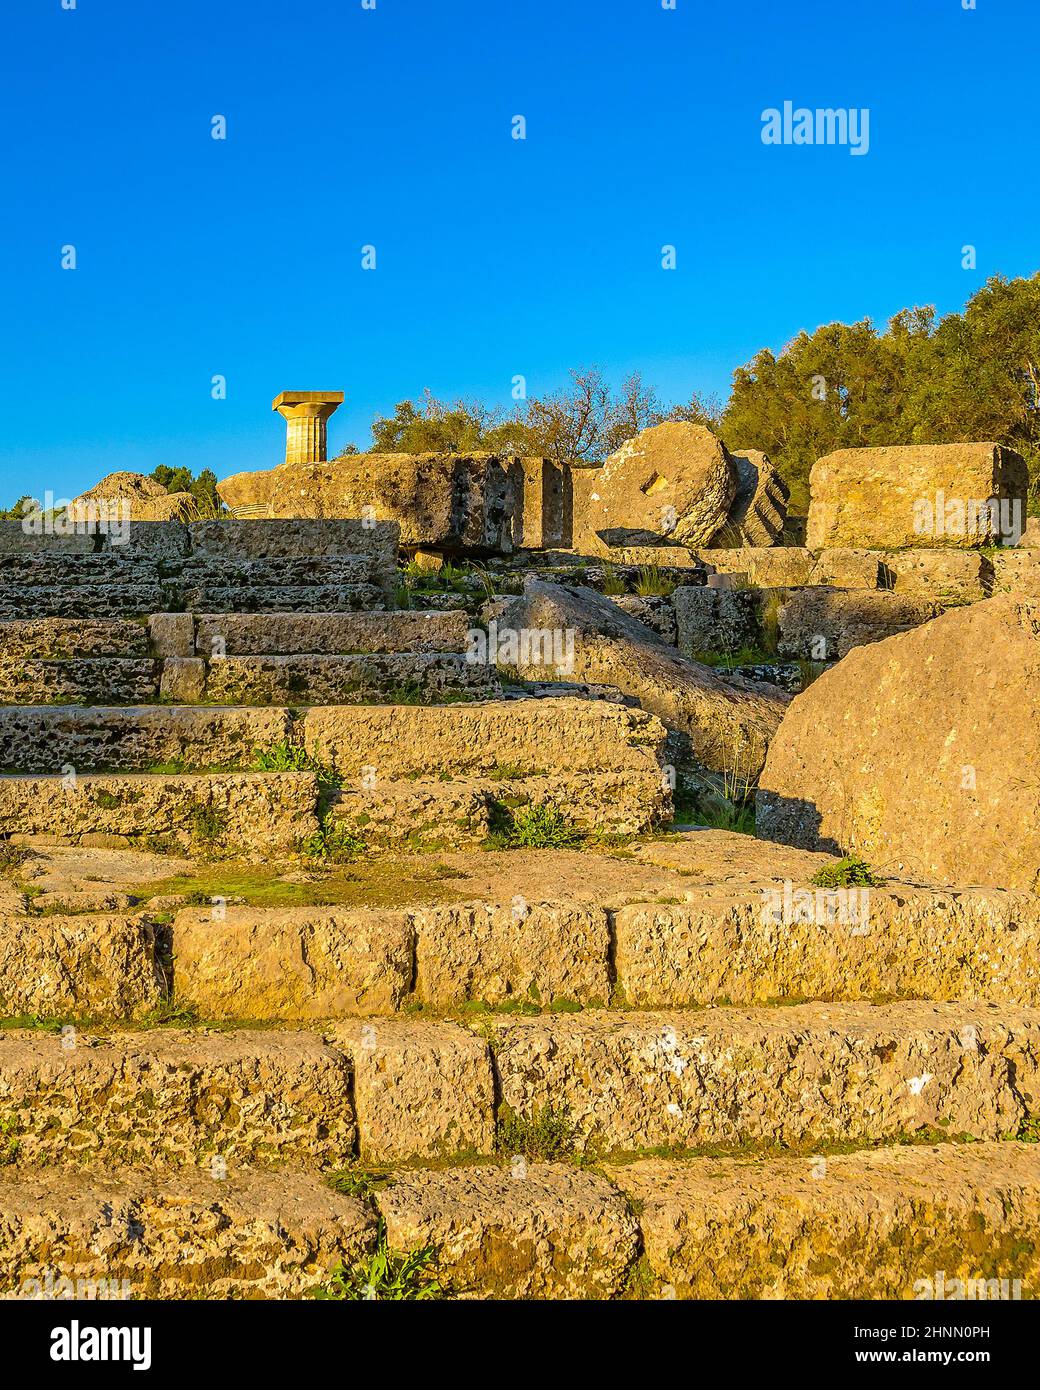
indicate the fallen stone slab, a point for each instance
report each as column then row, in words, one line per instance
column 948, row 1221
column 759, row 509
column 172, row 1097
column 44, row 738
column 910, row 752
column 530, row 1231
column 80, row 966
column 728, row 728
column 120, row 1234
column 809, row 1073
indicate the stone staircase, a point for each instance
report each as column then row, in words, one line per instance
column 655, row 1065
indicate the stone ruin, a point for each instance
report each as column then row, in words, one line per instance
column 413, row 864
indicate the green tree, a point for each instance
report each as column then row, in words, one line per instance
column 203, row 488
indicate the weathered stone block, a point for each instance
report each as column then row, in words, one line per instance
column 171, row 634
column 82, row 966
column 524, row 738
column 848, row 569
column 171, row 1097
column 824, row 624
column 880, row 1224
column 190, row 1235
column 448, row 501
column 219, row 812
column 286, row 634
column 716, row 621
column 91, row 680
column 788, row 940
column 803, row 1074
column 62, row 639
column 550, row 1232
column 48, row 738
column 296, row 963
column 944, row 576
column 541, row 953
column 422, row 1090
column 183, row 680
column 917, row 494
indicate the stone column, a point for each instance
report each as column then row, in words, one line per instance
column 306, row 414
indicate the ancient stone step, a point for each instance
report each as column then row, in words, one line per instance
column 227, row 812
column 804, row 1075
column 811, row 1073
column 525, row 738
column 81, row 966
column 277, row 598
column 901, row 1223
column 86, row 680
column 789, row 940
column 55, row 568
column 897, row 1223
column 263, row 539
column 62, row 639
column 78, row 600
column 167, row 1097
column 464, row 811
column 558, row 1233
column 307, row 963
column 135, row 738
column 557, row 927
column 122, row 1234
column 291, row 634
column 392, row 677
column 386, row 1092
column 231, row 570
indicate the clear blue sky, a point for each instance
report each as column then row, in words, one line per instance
column 392, row 127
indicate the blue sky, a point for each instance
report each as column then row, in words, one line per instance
column 495, row 257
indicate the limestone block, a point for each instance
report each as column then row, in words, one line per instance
column 169, row 1097
column 422, row 1090
column 296, row 963
column 918, row 494
column 518, row 952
